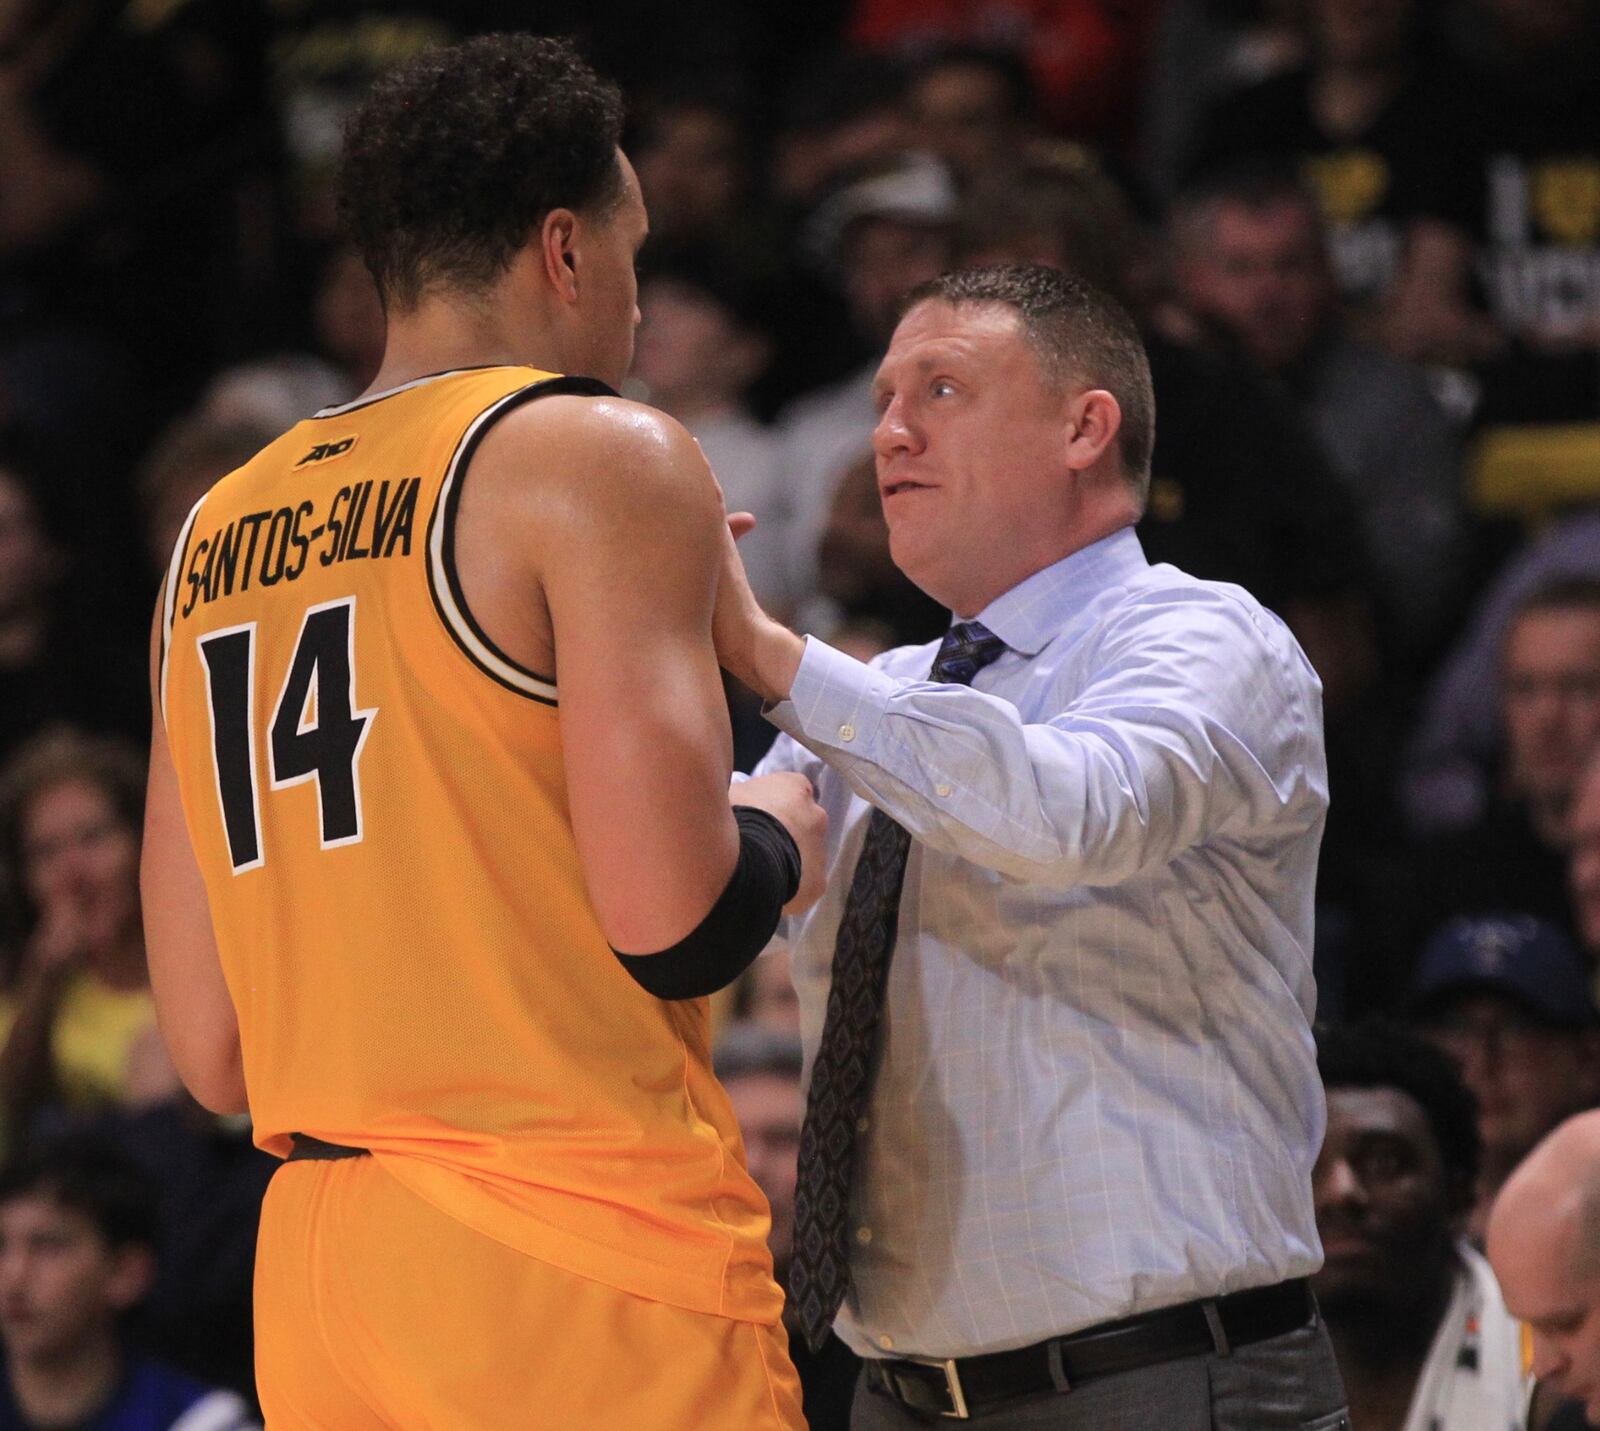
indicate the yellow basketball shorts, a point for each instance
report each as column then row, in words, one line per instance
column 376, row 1310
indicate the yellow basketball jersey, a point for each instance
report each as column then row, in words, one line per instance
column 376, row 797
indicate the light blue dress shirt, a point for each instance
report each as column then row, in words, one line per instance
column 1098, row 1091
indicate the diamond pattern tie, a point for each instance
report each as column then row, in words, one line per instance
column 841, row 1076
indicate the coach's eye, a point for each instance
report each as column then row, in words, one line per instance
column 942, row 387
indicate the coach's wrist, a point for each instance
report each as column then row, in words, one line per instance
column 775, row 656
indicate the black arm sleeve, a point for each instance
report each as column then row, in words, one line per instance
column 723, row 945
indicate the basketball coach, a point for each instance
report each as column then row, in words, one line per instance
column 1063, row 1100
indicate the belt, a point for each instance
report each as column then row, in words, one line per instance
column 958, row 1387
column 304, row 1147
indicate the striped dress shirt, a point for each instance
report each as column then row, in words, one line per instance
column 1097, row 1092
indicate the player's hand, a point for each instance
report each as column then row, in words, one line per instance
column 791, row 800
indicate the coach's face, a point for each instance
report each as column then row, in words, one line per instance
column 971, row 447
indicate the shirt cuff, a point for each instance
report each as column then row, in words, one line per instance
column 835, row 700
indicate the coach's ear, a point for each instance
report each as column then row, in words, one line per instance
column 557, row 235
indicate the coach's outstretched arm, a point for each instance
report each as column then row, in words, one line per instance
column 621, row 524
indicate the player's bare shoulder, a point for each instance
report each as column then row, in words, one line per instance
column 564, row 462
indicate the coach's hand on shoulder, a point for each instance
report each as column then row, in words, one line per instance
column 789, row 798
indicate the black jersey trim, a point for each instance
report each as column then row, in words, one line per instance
column 355, row 404
column 444, row 579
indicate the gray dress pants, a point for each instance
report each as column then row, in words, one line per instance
column 1286, row 1383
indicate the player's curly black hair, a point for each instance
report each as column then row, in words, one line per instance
column 454, row 159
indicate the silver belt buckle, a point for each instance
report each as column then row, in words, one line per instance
column 952, row 1385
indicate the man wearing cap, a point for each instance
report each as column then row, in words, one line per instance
column 1508, row 997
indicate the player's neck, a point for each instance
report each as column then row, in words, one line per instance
column 441, row 335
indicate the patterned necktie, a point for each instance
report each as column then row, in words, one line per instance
column 841, row 1077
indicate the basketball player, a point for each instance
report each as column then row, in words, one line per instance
column 439, row 730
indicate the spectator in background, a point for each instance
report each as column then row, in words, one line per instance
column 759, row 1066
column 1083, row 58
column 80, row 1030
column 1544, row 1243
column 77, row 1254
column 1508, row 998
column 1460, row 734
column 700, row 347
column 1422, row 1334
column 973, row 107
column 1361, row 120
column 690, row 150
column 1515, row 855
column 890, row 230
column 1584, row 870
column 1509, row 248
column 1249, row 261
column 846, row 117
column 64, row 656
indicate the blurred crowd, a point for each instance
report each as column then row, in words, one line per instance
column 1362, row 240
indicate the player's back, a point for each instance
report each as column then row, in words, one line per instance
column 376, row 797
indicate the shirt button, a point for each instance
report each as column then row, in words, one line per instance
column 886, row 1342
column 862, row 1124
column 863, row 1235
column 847, row 732
column 941, row 790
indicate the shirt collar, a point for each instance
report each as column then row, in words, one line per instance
column 1032, row 614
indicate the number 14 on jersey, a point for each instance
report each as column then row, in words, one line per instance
column 317, row 731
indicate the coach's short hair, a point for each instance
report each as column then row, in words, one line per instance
column 454, row 159
column 1081, row 335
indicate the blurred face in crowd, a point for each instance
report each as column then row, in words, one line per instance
column 769, row 1108
column 1551, row 696
column 1262, row 274
column 1361, row 32
column 27, row 559
column 1526, row 1076
column 971, row 450
column 962, row 112
column 80, row 856
column 692, row 169
column 61, row 1283
column 884, row 259
column 692, row 354
column 1585, row 867
column 1383, row 1207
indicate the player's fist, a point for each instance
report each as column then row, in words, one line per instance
column 790, row 799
